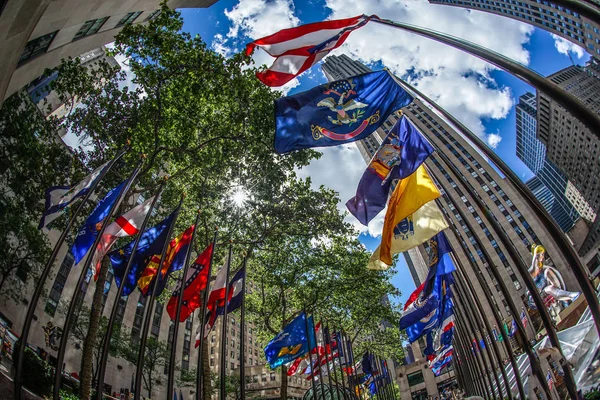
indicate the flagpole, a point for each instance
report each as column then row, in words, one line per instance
column 186, row 267
column 463, row 365
column 483, row 283
column 39, row 286
column 310, row 360
column 202, row 315
column 243, row 335
column 495, row 225
column 469, row 358
column 222, row 372
column 459, row 279
column 320, row 366
column 77, row 292
column 340, row 346
column 326, row 342
column 483, row 370
column 115, row 307
column 563, row 243
column 466, row 299
column 349, row 362
column 150, row 306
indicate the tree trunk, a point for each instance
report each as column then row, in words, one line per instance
column 206, row 372
column 87, row 358
column 284, row 383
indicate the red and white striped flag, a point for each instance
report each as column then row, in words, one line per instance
column 297, row 49
column 127, row 224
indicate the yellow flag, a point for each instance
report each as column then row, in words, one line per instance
column 410, row 194
column 413, row 230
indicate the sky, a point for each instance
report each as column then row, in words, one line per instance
column 478, row 94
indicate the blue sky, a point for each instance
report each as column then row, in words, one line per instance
column 479, row 95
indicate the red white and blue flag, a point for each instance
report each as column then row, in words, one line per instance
column 524, row 318
column 297, row 49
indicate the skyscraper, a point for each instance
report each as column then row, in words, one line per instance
column 543, row 14
column 514, row 215
column 533, row 153
column 37, row 34
column 571, row 146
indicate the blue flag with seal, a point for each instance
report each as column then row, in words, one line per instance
column 400, row 154
column 291, row 342
column 151, row 245
column 88, row 232
column 338, row 112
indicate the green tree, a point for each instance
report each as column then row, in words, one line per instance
column 232, row 386
column 156, row 356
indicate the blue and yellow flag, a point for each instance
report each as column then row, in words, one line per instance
column 291, row 342
column 338, row 112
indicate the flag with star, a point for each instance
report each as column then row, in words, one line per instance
column 194, row 282
column 151, row 244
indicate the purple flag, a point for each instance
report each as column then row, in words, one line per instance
column 401, row 153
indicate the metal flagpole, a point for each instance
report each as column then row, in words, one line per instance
column 522, row 268
column 481, row 364
column 222, row 372
column 461, row 359
column 573, row 105
column 350, row 362
column 39, row 287
column 150, row 308
column 533, row 358
column 186, row 267
column 202, row 315
column 494, row 271
column 77, row 293
column 113, row 313
column 327, row 343
column 549, row 224
column 320, row 365
column 468, row 352
column 475, row 323
column 339, row 344
column 310, row 360
column 485, row 328
column 460, row 279
column 243, row 335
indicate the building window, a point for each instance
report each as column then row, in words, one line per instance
column 272, row 377
column 59, row 284
column 129, row 18
column 415, row 378
column 36, row 47
column 153, row 15
column 90, row 27
column 156, row 320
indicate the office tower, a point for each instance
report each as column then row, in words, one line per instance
column 542, row 14
column 514, row 215
column 571, row 146
column 38, row 34
column 533, row 153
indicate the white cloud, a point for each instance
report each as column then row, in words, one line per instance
column 493, row 140
column 459, row 82
column 258, row 18
column 218, row 45
column 564, row 46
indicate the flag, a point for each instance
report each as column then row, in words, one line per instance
column 234, row 299
column 88, row 232
column 180, row 395
column 474, row 347
column 399, row 155
column 60, row 197
column 550, row 379
column 151, row 243
column 297, row 49
column 443, row 353
column 292, row 342
column 513, row 328
column 412, row 231
column 126, row 225
column 337, row 112
column 173, row 261
column 409, row 195
column 299, row 365
column 523, row 318
column 193, row 284
column 482, row 343
column 431, row 321
column 495, row 334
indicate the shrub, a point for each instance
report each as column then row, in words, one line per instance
column 38, row 375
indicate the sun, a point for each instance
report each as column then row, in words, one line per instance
column 239, row 196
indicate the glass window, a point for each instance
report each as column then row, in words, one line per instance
column 90, row 27
column 415, row 378
column 36, row 47
column 130, row 17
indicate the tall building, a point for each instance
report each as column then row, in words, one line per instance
column 533, row 153
column 543, row 14
column 511, row 211
column 571, row 146
column 38, row 34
